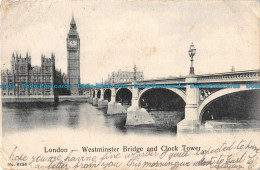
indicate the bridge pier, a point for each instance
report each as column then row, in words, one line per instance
column 95, row 99
column 113, row 107
column 191, row 121
column 90, row 100
column 136, row 115
column 89, row 96
column 101, row 102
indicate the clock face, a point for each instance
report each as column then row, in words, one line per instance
column 73, row 43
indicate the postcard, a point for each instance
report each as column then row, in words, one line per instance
column 96, row 84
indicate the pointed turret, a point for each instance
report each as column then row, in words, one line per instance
column 13, row 61
column 13, row 57
column 73, row 28
column 53, row 57
column 72, row 22
column 29, row 57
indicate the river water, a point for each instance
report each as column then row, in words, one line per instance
column 33, row 127
column 28, row 117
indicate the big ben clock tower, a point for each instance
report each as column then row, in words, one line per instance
column 73, row 48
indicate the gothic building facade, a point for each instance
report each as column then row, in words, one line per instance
column 23, row 73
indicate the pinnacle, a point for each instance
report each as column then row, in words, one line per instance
column 72, row 22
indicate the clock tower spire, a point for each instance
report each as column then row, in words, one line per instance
column 73, row 50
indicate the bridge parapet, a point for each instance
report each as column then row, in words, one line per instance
column 251, row 75
column 238, row 76
column 163, row 81
column 175, row 80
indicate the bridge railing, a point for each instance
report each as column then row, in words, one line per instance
column 157, row 81
column 249, row 75
column 253, row 75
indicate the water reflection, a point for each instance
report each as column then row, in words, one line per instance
column 73, row 116
column 30, row 116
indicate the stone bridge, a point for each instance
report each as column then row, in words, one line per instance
column 189, row 96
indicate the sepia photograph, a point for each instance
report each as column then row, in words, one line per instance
column 95, row 84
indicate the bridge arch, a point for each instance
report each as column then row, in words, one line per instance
column 175, row 90
column 107, row 94
column 165, row 105
column 98, row 93
column 93, row 93
column 124, row 96
column 217, row 95
column 162, row 99
column 124, row 88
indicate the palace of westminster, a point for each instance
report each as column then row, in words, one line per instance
column 22, row 72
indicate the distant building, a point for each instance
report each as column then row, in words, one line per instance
column 22, row 72
column 124, row 76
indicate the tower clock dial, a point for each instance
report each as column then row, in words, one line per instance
column 73, row 43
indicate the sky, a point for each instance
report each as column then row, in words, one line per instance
column 154, row 35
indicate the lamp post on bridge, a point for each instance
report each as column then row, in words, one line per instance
column 102, row 92
column 113, row 76
column 134, row 73
column 192, row 52
column 191, row 120
column 134, row 92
